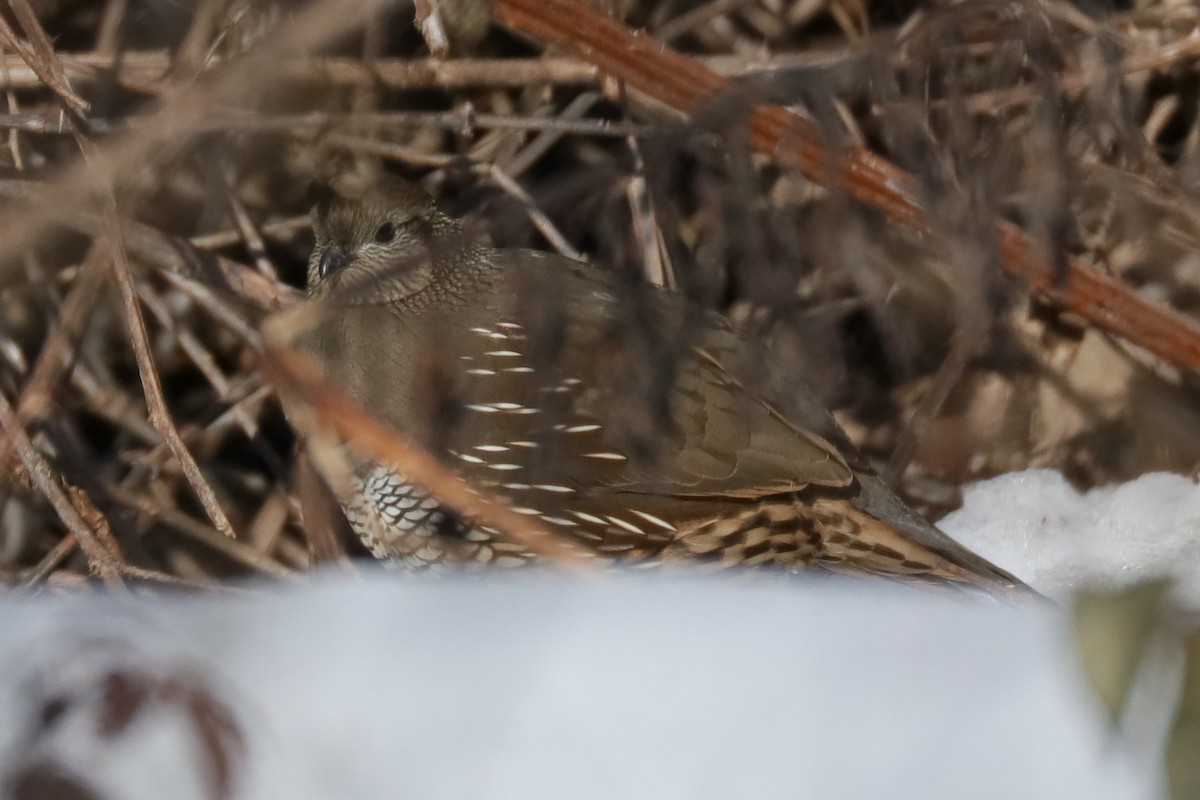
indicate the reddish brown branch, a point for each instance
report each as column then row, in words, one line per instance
column 792, row 140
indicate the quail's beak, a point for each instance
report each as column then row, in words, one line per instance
column 335, row 258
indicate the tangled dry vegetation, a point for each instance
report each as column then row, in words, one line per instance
column 972, row 227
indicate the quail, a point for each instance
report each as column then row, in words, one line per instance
column 625, row 418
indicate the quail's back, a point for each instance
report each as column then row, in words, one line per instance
column 624, row 418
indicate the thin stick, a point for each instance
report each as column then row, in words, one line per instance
column 156, row 404
column 38, row 53
column 146, row 71
column 54, row 358
column 58, row 554
column 250, row 234
column 281, row 229
column 101, row 561
column 535, row 214
column 314, row 122
column 196, row 530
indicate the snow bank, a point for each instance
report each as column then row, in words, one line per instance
column 1037, row 526
column 651, row 688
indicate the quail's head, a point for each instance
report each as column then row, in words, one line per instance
column 381, row 239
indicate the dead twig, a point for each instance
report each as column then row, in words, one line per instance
column 196, row 530
column 156, row 404
column 55, row 355
column 146, row 71
column 39, row 55
column 104, row 562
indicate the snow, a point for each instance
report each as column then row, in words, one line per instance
column 1057, row 539
column 548, row 689
column 649, row 686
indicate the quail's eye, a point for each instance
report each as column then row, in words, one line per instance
column 385, row 233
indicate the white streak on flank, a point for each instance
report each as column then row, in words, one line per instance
column 477, row 536
column 524, row 444
column 629, row 526
column 589, row 517
column 469, row 458
column 503, row 353
column 479, row 371
column 466, row 358
column 554, row 487
column 560, row 521
column 491, row 448
column 484, row 409
column 512, row 326
column 571, row 381
column 481, row 331
column 529, row 512
column 654, row 520
column 581, row 429
column 520, row 487
column 606, row 456
column 504, row 467
column 511, row 408
column 518, row 369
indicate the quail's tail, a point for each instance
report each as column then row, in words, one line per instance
column 905, row 544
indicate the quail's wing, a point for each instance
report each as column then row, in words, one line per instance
column 638, row 393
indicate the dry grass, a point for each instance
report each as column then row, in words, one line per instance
column 971, row 228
